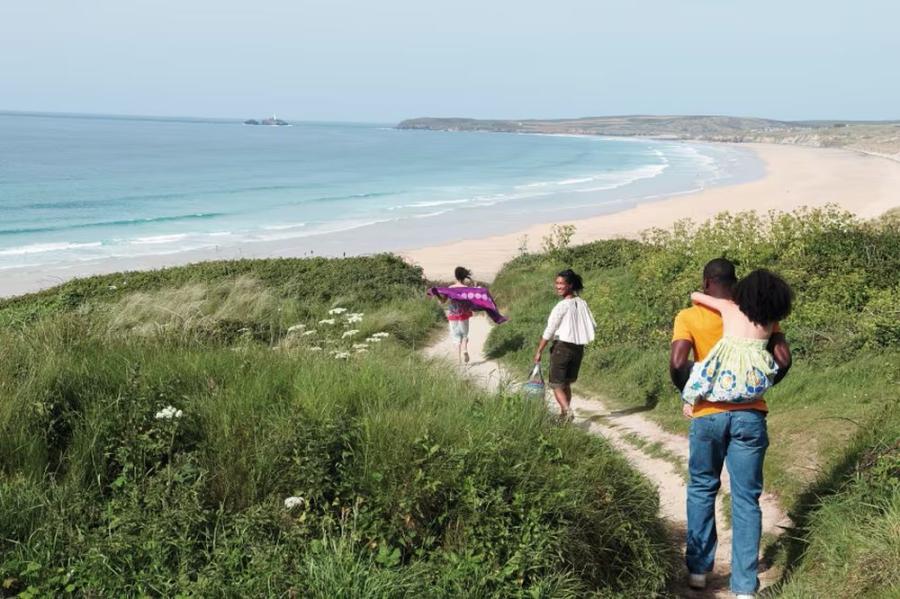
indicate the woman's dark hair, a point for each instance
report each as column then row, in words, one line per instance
column 572, row 278
column 763, row 297
column 462, row 273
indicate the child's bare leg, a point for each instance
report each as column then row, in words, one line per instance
column 465, row 349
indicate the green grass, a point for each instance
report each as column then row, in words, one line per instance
column 413, row 482
column 845, row 332
column 847, row 543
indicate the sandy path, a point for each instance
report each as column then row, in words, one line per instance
column 628, row 432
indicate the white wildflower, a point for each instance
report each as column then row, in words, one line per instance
column 349, row 333
column 342, row 355
column 382, row 335
column 337, row 311
column 112, row 287
column 168, row 413
column 326, row 321
column 296, row 327
column 361, row 350
column 360, row 346
column 315, row 348
column 354, row 317
column 373, row 339
column 292, row 502
column 309, row 332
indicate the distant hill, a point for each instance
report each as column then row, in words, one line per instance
column 876, row 137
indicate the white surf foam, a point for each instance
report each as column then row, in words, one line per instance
column 40, row 248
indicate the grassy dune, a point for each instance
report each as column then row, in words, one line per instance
column 837, row 405
column 178, row 433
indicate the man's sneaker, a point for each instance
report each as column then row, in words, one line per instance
column 697, row 581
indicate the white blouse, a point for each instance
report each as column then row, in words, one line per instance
column 571, row 321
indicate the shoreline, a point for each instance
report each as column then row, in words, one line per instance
column 794, row 176
column 862, row 183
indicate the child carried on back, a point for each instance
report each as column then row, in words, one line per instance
column 739, row 368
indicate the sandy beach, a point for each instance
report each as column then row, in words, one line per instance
column 795, row 176
column 863, row 184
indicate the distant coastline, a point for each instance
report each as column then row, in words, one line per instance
column 434, row 231
column 879, row 138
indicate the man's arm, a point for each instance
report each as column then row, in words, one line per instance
column 679, row 362
column 781, row 351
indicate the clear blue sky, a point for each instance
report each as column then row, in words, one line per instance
column 385, row 60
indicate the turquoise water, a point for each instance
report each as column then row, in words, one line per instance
column 90, row 188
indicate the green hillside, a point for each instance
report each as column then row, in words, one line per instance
column 265, row 428
column 833, row 422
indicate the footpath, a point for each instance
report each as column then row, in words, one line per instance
column 661, row 456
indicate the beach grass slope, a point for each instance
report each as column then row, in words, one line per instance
column 265, row 428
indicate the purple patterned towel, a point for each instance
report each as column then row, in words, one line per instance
column 479, row 297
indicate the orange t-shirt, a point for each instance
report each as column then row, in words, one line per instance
column 703, row 328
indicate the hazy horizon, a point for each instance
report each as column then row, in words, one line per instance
column 233, row 118
column 337, row 61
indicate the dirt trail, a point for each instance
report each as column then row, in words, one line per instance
column 661, row 456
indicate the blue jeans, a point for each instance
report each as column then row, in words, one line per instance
column 739, row 440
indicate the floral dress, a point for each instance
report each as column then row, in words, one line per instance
column 737, row 370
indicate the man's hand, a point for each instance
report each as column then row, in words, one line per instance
column 537, row 358
column 781, row 351
column 688, row 410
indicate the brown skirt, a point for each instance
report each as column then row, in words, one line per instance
column 565, row 362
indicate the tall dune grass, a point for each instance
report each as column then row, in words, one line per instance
column 406, row 480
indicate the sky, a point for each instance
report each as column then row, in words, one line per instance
column 387, row 60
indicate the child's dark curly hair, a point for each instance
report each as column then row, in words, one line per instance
column 763, row 297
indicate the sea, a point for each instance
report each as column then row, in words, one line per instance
column 80, row 189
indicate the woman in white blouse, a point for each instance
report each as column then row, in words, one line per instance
column 570, row 327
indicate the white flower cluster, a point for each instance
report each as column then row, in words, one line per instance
column 168, row 413
column 327, row 342
column 292, row 502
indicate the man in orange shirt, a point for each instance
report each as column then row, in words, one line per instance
column 722, row 433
